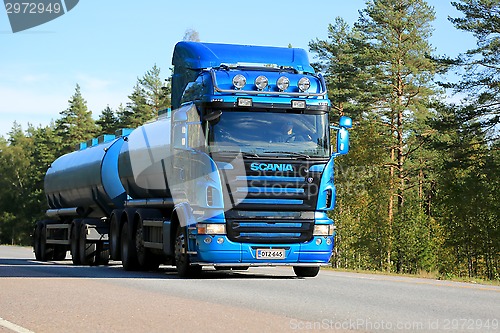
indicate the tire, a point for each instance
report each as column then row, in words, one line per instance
column 128, row 250
column 37, row 241
column 302, row 271
column 75, row 242
column 146, row 260
column 102, row 256
column 43, row 252
column 88, row 250
column 182, row 262
column 114, row 236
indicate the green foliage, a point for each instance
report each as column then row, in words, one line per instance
column 22, row 161
column 379, row 72
column 149, row 96
column 481, row 65
column 467, row 195
column 108, row 121
column 76, row 124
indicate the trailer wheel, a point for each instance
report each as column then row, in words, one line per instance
column 182, row 262
column 43, row 252
column 129, row 254
column 75, row 242
column 301, row 271
column 36, row 242
column 87, row 249
column 114, row 236
column 37, row 247
column 146, row 260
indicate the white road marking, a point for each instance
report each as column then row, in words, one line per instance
column 13, row 327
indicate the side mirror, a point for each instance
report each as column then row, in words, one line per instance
column 186, row 128
column 342, row 135
column 342, row 141
column 345, row 122
column 179, row 136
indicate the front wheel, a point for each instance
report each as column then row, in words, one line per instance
column 182, row 262
column 302, row 271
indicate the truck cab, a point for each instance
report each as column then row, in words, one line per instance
column 261, row 115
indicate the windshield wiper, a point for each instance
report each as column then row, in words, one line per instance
column 234, row 152
column 291, row 153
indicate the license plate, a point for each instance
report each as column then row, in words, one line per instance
column 270, row 253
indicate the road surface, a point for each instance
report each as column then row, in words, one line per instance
column 60, row 297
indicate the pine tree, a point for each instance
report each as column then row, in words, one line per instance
column 396, row 34
column 339, row 61
column 156, row 92
column 191, row 35
column 481, row 79
column 76, row 124
column 148, row 97
column 108, row 121
column 380, row 73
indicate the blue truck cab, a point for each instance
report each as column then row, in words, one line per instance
column 266, row 105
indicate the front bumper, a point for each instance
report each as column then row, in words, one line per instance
column 218, row 249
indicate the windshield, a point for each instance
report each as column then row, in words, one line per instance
column 271, row 133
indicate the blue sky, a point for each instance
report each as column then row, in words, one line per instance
column 105, row 45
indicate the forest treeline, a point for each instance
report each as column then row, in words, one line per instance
column 419, row 190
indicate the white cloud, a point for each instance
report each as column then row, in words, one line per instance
column 93, row 83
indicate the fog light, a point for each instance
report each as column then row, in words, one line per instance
column 318, row 241
column 261, row 82
column 239, row 81
column 207, row 240
column 220, row 240
column 283, row 83
column 304, row 84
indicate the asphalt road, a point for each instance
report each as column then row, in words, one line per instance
column 60, row 297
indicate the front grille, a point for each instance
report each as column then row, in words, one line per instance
column 265, row 190
column 276, row 231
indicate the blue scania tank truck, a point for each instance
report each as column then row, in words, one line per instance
column 238, row 174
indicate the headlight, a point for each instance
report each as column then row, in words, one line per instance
column 323, row 230
column 211, row 229
column 239, row 81
column 283, row 83
column 304, row 84
column 261, row 82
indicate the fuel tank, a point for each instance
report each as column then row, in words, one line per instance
column 145, row 160
column 87, row 178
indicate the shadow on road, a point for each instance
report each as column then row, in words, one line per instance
column 30, row 268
